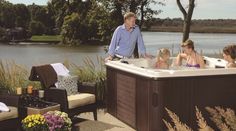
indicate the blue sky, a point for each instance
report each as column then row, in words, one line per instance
column 205, row 9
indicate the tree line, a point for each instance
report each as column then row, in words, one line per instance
column 25, row 20
column 195, row 22
column 76, row 21
column 81, row 22
column 197, row 25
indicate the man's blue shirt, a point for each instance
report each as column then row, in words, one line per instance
column 123, row 42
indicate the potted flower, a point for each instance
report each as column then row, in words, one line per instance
column 34, row 122
column 58, row 121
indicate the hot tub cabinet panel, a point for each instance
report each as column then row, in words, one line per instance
column 111, row 89
column 126, row 98
column 140, row 101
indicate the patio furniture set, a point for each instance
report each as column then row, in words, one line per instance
column 84, row 100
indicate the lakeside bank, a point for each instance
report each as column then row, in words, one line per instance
column 194, row 29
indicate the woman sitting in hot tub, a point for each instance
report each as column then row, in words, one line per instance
column 193, row 59
column 229, row 54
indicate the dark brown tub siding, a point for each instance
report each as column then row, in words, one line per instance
column 180, row 95
column 111, row 91
column 126, row 108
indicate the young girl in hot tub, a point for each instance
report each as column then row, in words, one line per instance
column 162, row 59
column 229, row 54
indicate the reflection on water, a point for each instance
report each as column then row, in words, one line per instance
column 43, row 54
column 207, row 42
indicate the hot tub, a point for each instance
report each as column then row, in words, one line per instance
column 139, row 93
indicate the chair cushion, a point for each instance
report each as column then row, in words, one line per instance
column 80, row 99
column 9, row 115
column 69, row 83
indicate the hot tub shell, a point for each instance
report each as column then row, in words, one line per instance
column 138, row 95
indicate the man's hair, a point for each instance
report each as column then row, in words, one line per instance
column 129, row 15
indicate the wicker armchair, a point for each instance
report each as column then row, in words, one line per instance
column 84, row 101
column 60, row 96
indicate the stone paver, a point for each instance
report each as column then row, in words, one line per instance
column 105, row 122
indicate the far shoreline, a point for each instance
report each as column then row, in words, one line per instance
column 56, row 40
column 194, row 29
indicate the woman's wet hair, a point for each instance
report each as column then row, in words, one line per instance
column 188, row 43
column 230, row 50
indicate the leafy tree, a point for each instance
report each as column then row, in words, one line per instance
column 90, row 21
column 69, row 29
column 140, row 7
column 43, row 15
column 2, row 34
column 77, row 30
column 61, row 9
column 51, row 20
column 22, row 16
column 7, row 14
column 100, row 18
column 146, row 13
column 36, row 28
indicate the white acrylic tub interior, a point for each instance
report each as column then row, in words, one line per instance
column 145, row 67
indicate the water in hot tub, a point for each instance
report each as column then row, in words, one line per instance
column 150, row 64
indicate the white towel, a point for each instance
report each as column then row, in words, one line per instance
column 60, row 69
column 3, row 107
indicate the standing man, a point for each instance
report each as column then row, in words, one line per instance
column 125, row 38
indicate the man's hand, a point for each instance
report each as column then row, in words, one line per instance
column 147, row 56
column 108, row 58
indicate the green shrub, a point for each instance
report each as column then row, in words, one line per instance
column 13, row 75
column 92, row 72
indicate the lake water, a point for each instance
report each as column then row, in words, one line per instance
column 29, row 55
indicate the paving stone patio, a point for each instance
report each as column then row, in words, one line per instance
column 105, row 122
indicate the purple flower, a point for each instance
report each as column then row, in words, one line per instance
column 56, row 120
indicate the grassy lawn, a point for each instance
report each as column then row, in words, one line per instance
column 49, row 38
